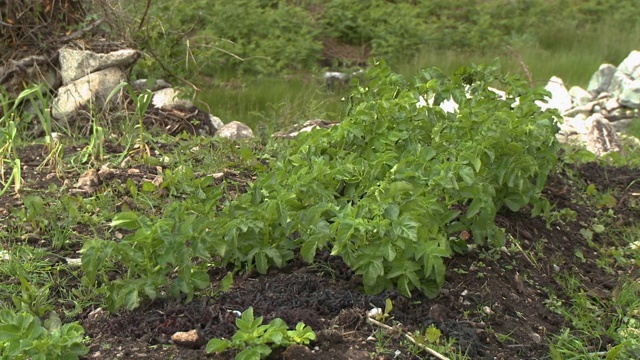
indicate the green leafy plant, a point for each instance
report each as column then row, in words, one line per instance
column 386, row 190
column 23, row 336
column 256, row 339
column 155, row 251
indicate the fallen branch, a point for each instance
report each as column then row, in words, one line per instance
column 408, row 337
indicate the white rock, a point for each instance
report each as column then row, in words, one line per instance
column 168, row 98
column 630, row 96
column 631, row 65
column 88, row 92
column 579, row 96
column 215, row 122
column 75, row 64
column 560, row 98
column 611, row 104
column 235, row 130
column 573, row 125
column 375, row 312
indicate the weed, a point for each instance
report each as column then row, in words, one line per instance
column 255, row 339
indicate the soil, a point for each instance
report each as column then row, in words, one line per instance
column 487, row 292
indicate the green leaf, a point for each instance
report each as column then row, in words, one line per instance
column 467, row 174
column 200, row 279
column 262, row 264
column 388, row 306
column 246, row 321
column 126, row 220
column 217, row 345
column 255, row 352
column 308, row 250
column 475, row 206
column 129, row 297
column 388, row 251
column 275, row 256
column 226, row 282
column 148, row 186
column 598, row 228
column 406, row 227
column 392, row 211
column 432, row 334
column 515, row 201
column 372, row 270
column 403, row 286
column 476, row 162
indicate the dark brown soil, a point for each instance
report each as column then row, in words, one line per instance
column 487, row 292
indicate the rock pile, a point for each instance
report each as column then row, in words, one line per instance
column 595, row 117
column 85, row 82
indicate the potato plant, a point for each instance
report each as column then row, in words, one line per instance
column 387, row 190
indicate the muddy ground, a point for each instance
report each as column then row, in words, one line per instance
column 487, row 293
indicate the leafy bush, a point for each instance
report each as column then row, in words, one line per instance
column 388, row 190
column 376, row 23
column 22, row 336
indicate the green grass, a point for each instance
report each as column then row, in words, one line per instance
column 270, row 103
column 573, row 56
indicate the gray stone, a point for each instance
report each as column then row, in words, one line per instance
column 75, row 64
column 631, row 65
column 89, row 92
column 235, row 130
column 580, row 96
column 630, row 96
column 619, row 82
column 601, row 79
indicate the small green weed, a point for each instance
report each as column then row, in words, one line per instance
column 255, row 339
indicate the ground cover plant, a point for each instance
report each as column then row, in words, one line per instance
column 406, row 232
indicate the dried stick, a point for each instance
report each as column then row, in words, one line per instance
column 524, row 66
column 410, row 338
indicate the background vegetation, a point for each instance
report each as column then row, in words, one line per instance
column 241, row 55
